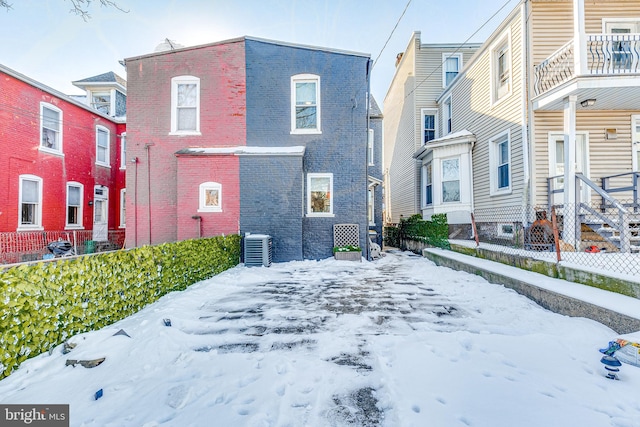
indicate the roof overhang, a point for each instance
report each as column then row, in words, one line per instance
column 243, row 150
column 611, row 92
column 456, row 138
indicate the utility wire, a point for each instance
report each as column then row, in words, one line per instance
column 458, row 48
column 391, row 35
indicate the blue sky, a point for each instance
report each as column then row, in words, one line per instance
column 42, row 40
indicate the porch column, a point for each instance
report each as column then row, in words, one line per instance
column 570, row 234
column 579, row 39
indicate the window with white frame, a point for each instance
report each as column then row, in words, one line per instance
column 501, row 69
column 427, row 183
column 447, row 111
column 123, row 151
column 50, row 128
column 102, row 146
column 500, row 163
column 451, row 65
column 123, row 208
column 370, row 159
column 450, row 180
column 305, row 103
column 505, row 230
column 75, row 196
column 30, row 202
column 371, row 206
column 101, row 101
column 210, row 197
column 429, row 120
column 319, row 194
column 185, row 105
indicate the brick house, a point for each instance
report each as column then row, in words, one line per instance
column 248, row 136
column 61, row 166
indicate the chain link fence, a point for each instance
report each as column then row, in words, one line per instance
column 32, row 246
column 593, row 236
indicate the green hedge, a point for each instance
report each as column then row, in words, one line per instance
column 43, row 304
column 434, row 232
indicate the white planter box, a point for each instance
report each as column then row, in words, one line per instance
column 348, row 256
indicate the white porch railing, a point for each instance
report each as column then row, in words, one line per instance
column 606, row 54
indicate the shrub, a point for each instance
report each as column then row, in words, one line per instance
column 43, row 304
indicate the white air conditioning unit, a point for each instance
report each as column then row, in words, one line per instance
column 257, row 250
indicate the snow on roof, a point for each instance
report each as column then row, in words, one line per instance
column 241, row 150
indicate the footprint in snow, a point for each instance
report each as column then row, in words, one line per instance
column 247, row 380
column 280, row 390
column 441, row 400
column 178, row 396
column 416, row 409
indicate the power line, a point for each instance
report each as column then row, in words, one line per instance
column 458, row 48
column 391, row 35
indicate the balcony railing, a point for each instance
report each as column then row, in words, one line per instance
column 606, row 54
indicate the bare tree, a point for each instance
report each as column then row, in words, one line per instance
column 79, row 7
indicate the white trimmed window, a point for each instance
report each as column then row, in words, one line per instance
column 370, row 146
column 30, row 202
column 371, row 205
column 305, row 104
column 500, row 163
column 210, row 197
column 75, row 196
column 505, row 230
column 50, row 128
column 451, row 180
column 447, row 110
column 319, row 194
column 429, row 120
column 123, row 150
column 102, row 146
column 101, row 101
column 501, row 69
column 427, row 183
column 451, row 66
column 185, row 105
column 123, row 208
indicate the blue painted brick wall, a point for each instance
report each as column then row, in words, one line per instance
column 271, row 202
column 341, row 149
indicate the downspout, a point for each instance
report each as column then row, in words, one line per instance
column 366, row 165
column 135, row 201
column 146, row 146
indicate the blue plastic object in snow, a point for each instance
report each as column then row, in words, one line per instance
column 612, row 366
column 98, row 394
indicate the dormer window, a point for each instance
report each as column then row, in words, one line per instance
column 101, row 101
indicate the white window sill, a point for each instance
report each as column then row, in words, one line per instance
column 30, row 228
column 122, row 226
column 123, row 168
column 320, row 215
column 186, row 133
column 51, row 151
column 74, row 227
column 500, row 193
column 104, row 165
column 210, row 210
column 306, row 132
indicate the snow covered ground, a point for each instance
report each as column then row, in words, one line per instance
column 395, row 342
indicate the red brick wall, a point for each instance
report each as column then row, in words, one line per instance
column 193, row 171
column 222, row 123
column 19, row 143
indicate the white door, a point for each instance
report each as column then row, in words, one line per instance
column 619, row 53
column 556, row 164
column 635, row 145
column 100, row 213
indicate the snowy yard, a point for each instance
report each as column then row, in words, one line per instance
column 395, row 342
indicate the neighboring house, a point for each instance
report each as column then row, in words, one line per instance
column 412, row 118
column 375, row 192
column 552, row 72
column 62, row 165
column 248, row 136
